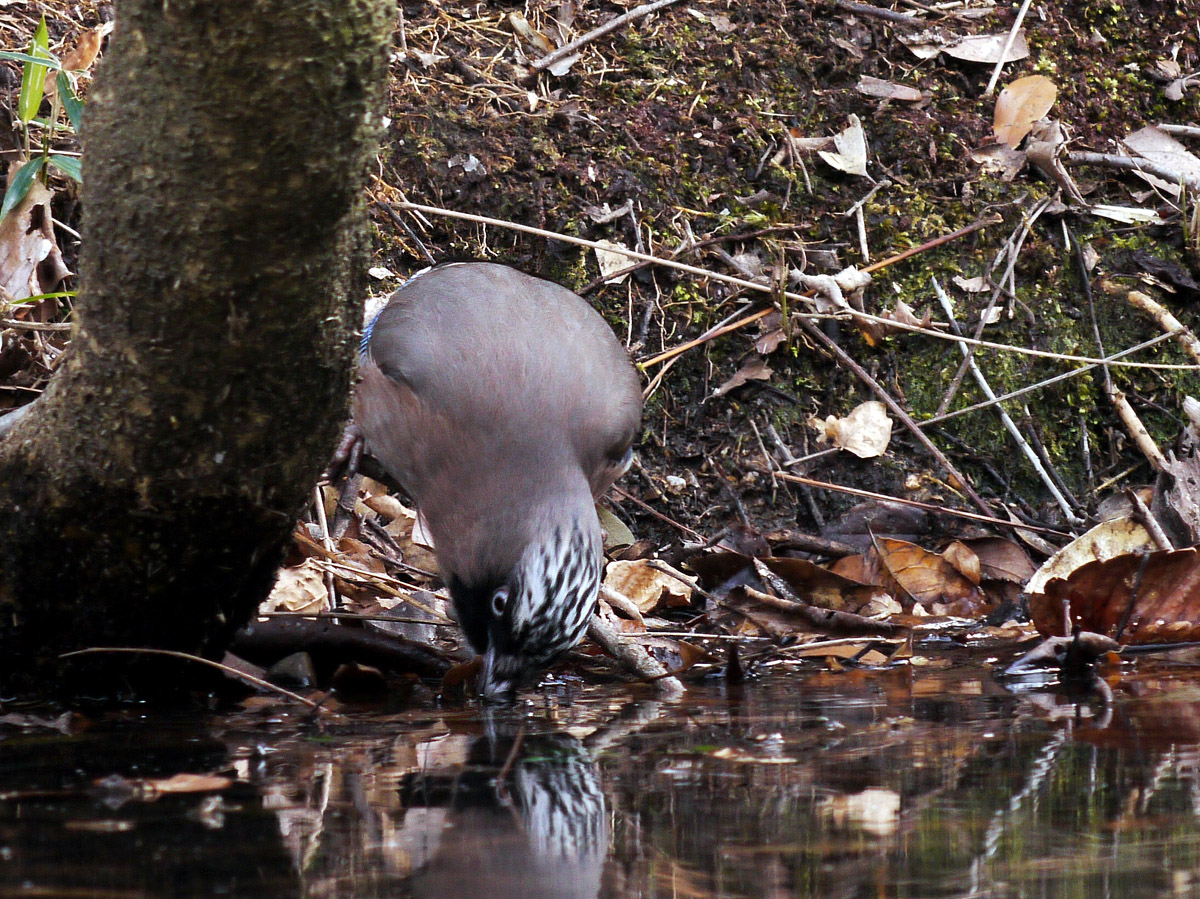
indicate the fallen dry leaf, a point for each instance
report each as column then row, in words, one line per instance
column 986, row 48
column 189, row 783
column 1000, row 160
column 30, row 261
column 754, row 370
column 810, row 583
column 611, row 262
column 1001, row 559
column 1020, row 105
column 930, row 579
column 888, row 90
column 1108, row 539
column 87, row 47
column 1157, row 146
column 298, row 589
column 851, row 149
column 1133, row 598
column 865, row 432
column 648, row 587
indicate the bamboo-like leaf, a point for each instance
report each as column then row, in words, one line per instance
column 33, row 81
column 71, row 166
column 19, row 186
column 71, row 102
column 49, row 60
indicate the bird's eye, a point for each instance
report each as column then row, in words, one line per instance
column 499, row 601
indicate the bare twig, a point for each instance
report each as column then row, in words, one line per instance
column 611, row 25
column 1006, row 420
column 1134, row 164
column 861, row 373
column 1146, row 518
column 928, row 507
column 1012, row 247
column 1008, row 42
column 632, row 656
column 888, row 15
column 790, row 295
column 1185, row 130
column 34, row 326
column 1167, row 321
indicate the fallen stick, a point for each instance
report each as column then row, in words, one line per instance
column 611, row 25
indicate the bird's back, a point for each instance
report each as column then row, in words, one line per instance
column 484, row 387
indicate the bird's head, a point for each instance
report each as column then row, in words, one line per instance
column 523, row 619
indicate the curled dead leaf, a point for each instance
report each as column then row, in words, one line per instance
column 1133, row 598
column 865, row 432
column 1020, row 105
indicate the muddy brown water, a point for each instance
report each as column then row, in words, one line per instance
column 921, row 782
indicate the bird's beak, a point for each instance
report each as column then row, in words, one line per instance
column 500, row 676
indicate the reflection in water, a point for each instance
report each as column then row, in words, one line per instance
column 527, row 817
column 898, row 783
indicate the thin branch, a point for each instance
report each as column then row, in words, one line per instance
column 1009, row 424
column 916, row 504
column 35, row 326
column 863, row 375
column 632, row 657
column 1008, row 42
column 791, row 295
column 611, row 25
column 1130, row 163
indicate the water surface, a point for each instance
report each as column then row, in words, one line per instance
column 918, row 781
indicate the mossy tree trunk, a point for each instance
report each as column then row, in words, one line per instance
column 145, row 499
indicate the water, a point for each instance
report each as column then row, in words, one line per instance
column 914, row 782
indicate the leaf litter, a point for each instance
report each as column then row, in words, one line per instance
column 914, row 574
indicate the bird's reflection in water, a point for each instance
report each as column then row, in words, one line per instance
column 527, row 818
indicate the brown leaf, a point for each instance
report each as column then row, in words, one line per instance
column 929, row 578
column 190, row 783
column 646, row 586
column 987, row 48
column 1107, row 540
column 30, row 261
column 462, row 673
column 1020, row 105
column 784, row 616
column 754, row 370
column 1001, row 559
column 864, row 568
column 865, row 432
column 888, row 90
column 963, row 559
column 298, row 589
column 86, row 49
column 819, row 586
column 1156, row 595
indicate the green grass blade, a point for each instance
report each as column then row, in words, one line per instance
column 33, row 81
column 38, row 297
column 19, row 186
column 71, row 166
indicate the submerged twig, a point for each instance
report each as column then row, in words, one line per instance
column 249, row 678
